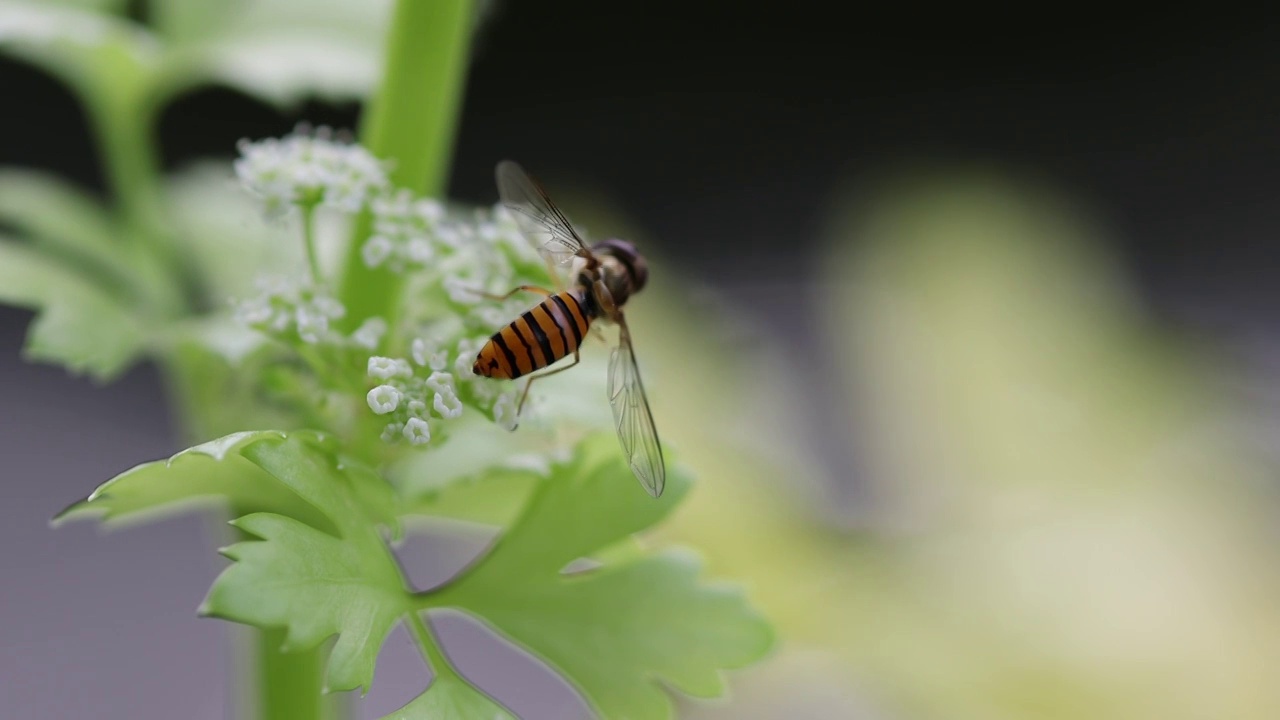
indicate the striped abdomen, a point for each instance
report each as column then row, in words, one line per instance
column 551, row 330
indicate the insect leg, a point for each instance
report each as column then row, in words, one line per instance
column 522, row 288
column 525, row 394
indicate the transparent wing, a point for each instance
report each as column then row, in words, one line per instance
column 632, row 417
column 539, row 219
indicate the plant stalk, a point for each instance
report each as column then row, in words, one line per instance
column 124, row 125
column 410, row 121
column 291, row 685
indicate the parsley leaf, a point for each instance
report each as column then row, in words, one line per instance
column 219, row 472
column 450, row 698
column 615, row 630
column 317, row 565
column 315, row 585
column 311, row 582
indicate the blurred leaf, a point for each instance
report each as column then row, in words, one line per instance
column 79, row 325
column 63, row 220
column 280, row 51
column 1058, row 526
column 215, row 362
column 449, row 698
column 612, row 630
column 107, row 59
column 1061, row 524
column 182, row 22
column 101, row 6
column 221, row 231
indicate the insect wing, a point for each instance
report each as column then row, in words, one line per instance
column 539, row 219
column 633, row 419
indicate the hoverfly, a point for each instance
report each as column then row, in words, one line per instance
column 605, row 275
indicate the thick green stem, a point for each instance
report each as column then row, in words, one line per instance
column 124, row 124
column 410, row 121
column 275, row 685
column 291, row 685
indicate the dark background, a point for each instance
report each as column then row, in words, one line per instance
column 724, row 131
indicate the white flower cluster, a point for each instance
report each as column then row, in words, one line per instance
column 459, row 254
column 285, row 307
column 309, row 168
column 413, row 395
column 406, row 232
column 476, row 248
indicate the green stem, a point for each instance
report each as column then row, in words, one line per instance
column 431, row 650
column 124, row 125
column 411, row 122
column 291, row 685
column 309, row 241
column 277, row 685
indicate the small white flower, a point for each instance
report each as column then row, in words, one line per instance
column 429, row 355
column 370, row 333
column 429, row 210
column 448, row 405
column 254, row 312
column 311, row 325
column 376, row 250
column 283, row 303
column 385, row 368
column 329, row 307
column 383, row 399
column 504, row 411
column 468, row 349
column 417, row 431
column 391, row 432
column 446, row 400
column 309, row 168
column 419, row 350
column 417, row 408
column 419, row 250
column 440, row 381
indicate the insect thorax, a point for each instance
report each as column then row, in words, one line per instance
column 623, row 270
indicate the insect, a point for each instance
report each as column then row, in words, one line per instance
column 604, row 276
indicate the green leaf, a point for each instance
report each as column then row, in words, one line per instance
column 312, row 582
column 104, row 57
column 280, row 51
column 62, row 219
column 212, row 473
column 493, row 497
column 80, row 325
column 450, row 698
column 315, row 585
column 616, row 630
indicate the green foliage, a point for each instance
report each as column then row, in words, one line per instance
column 317, row 564
column 615, row 629
column 116, row 263
column 80, row 324
column 451, row 698
column 212, row 472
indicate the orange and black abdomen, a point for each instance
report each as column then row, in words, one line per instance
column 551, row 330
